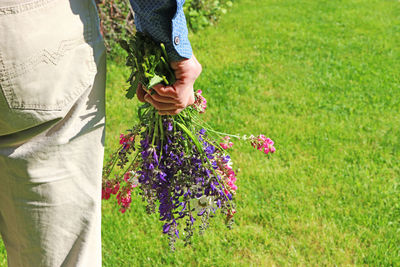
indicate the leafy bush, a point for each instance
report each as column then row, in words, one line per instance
column 203, row 13
column 116, row 21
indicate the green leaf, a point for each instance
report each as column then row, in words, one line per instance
column 155, row 80
column 191, row 136
column 124, row 44
column 131, row 92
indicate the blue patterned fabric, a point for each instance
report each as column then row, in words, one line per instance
column 165, row 21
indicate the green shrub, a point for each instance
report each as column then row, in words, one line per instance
column 116, row 21
column 203, row 13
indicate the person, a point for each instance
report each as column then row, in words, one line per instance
column 52, row 115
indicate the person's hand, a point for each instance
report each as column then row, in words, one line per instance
column 170, row 100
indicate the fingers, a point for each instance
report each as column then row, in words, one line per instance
column 172, row 99
column 168, row 91
column 140, row 93
column 163, row 106
column 170, row 112
column 163, row 99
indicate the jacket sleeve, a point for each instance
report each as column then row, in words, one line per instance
column 165, row 21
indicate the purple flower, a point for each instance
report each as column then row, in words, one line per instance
column 214, row 165
column 201, row 212
column 213, row 187
column 188, row 193
column 210, row 149
column 145, row 154
column 226, row 159
column 155, row 157
column 184, row 205
column 162, row 176
column 144, row 143
column 166, row 227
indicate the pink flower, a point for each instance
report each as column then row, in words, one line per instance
column 126, row 140
column 230, row 213
column 232, row 185
column 226, row 143
column 223, row 145
column 109, row 187
column 262, row 143
column 122, row 139
column 200, row 104
column 124, row 199
column 105, row 195
column 127, row 176
column 115, row 189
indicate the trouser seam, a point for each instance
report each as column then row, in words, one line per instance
column 23, row 7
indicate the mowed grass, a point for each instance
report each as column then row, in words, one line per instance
column 322, row 79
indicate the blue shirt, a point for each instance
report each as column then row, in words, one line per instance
column 165, row 21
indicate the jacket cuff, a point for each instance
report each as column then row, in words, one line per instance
column 170, row 30
column 180, row 47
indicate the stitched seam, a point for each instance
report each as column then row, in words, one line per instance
column 45, row 56
column 23, row 7
column 90, row 18
column 6, row 83
column 71, row 96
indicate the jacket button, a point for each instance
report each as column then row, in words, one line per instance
column 176, row 40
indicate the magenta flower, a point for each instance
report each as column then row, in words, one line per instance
column 200, row 103
column 226, row 143
column 263, row 144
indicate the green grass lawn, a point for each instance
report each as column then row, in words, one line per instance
column 322, row 79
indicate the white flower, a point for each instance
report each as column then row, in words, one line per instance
column 133, row 179
column 203, row 202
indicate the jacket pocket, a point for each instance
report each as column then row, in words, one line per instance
column 46, row 53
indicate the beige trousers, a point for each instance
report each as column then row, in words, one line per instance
column 52, row 81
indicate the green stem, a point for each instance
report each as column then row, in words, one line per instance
column 161, row 133
column 155, row 126
column 114, row 161
column 130, row 165
column 213, row 131
column 190, row 134
column 164, row 51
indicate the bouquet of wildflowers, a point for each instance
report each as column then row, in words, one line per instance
column 180, row 166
